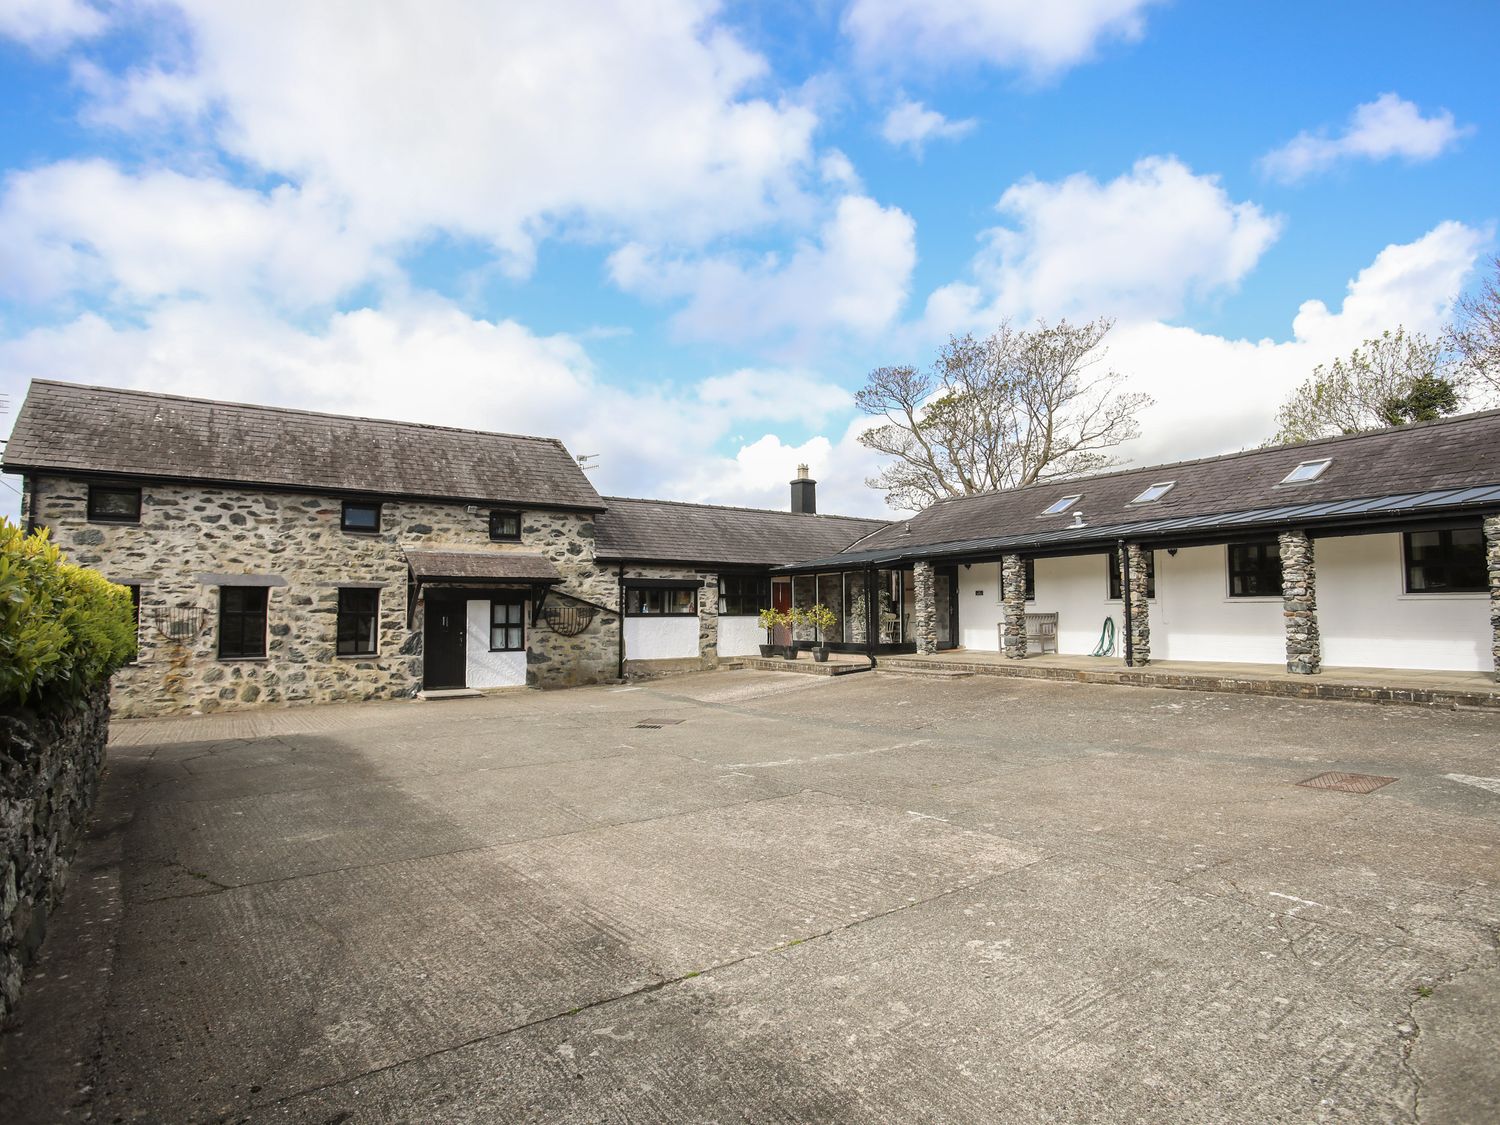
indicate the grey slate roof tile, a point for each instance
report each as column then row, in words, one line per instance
column 1452, row 453
column 668, row 530
column 68, row 427
column 504, row 566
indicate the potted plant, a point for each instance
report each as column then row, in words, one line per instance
column 821, row 618
column 769, row 619
column 791, row 619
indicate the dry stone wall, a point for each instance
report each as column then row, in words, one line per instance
column 193, row 538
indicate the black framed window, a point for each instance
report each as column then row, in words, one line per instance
column 242, row 622
column 359, row 622
column 508, row 625
column 1114, row 574
column 744, row 595
column 110, row 503
column 505, row 526
column 1028, row 568
column 661, row 601
column 1255, row 569
column 360, row 516
column 1448, row 561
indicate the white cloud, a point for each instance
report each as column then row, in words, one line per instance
column 912, row 125
column 495, row 121
column 46, row 25
column 85, row 226
column 1388, row 127
column 652, row 440
column 854, row 278
column 1141, row 245
column 1038, row 39
column 1215, row 394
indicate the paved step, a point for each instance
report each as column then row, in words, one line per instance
column 808, row 666
column 439, row 694
column 926, row 673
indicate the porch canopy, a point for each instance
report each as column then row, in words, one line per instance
column 488, row 568
column 1325, row 517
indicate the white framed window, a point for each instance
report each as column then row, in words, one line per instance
column 1155, row 492
column 1057, row 507
column 1307, row 471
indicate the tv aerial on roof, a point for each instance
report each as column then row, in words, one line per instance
column 587, row 460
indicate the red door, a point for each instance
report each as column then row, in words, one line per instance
column 781, row 601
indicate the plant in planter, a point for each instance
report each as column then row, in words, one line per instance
column 791, row 619
column 769, row 620
column 821, row 618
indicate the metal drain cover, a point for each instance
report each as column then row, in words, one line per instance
column 656, row 724
column 1348, row 782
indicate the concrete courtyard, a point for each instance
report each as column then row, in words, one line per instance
column 748, row 896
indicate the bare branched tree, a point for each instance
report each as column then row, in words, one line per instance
column 1475, row 335
column 1017, row 406
column 1390, row 380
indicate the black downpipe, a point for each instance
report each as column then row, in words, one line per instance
column 620, row 617
column 1125, row 601
column 872, row 615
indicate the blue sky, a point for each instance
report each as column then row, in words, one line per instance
column 679, row 234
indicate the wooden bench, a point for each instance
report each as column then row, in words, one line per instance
column 1041, row 631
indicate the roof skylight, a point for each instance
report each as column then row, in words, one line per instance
column 1155, row 492
column 1057, row 507
column 1307, row 471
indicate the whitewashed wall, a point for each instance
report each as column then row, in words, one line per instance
column 740, row 636
column 486, row 669
column 1194, row 618
column 661, row 638
column 1367, row 619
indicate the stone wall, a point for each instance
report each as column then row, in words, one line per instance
column 804, row 596
column 190, row 536
column 1140, row 602
column 1299, row 604
column 49, row 774
column 708, row 621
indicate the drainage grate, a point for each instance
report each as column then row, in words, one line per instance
column 656, row 724
column 1348, row 782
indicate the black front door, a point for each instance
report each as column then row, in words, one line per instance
column 947, row 607
column 443, row 648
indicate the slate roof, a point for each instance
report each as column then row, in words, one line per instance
column 672, row 531
column 500, row 566
column 1452, row 454
column 68, row 427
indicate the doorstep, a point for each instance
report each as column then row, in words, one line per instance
column 438, row 694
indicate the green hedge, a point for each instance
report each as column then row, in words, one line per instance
column 63, row 628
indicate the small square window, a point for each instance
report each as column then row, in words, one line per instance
column 661, row 601
column 112, row 504
column 360, row 517
column 1449, row 561
column 1059, row 506
column 1155, row 492
column 508, row 626
column 1255, row 569
column 505, row 526
column 1307, row 472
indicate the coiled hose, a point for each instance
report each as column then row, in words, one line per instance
column 1106, row 645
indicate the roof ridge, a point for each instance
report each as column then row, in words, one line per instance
column 157, row 395
column 741, row 508
column 1066, row 481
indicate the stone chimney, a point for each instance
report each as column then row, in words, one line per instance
column 804, row 492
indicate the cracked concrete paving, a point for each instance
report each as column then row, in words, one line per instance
column 864, row 899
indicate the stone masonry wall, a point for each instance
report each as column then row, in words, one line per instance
column 190, row 534
column 924, row 619
column 1140, row 603
column 1492, row 549
column 708, row 621
column 49, row 774
column 1299, row 604
column 804, row 596
column 1013, row 594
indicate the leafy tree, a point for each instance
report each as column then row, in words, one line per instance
column 1017, row 406
column 1390, row 380
column 1474, row 336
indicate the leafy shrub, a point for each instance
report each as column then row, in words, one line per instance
column 63, row 628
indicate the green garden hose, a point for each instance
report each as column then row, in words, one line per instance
column 1106, row 645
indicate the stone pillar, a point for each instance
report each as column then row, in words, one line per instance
column 859, row 619
column 924, row 615
column 1299, row 604
column 708, row 621
column 1492, row 547
column 1140, row 603
column 1013, row 593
